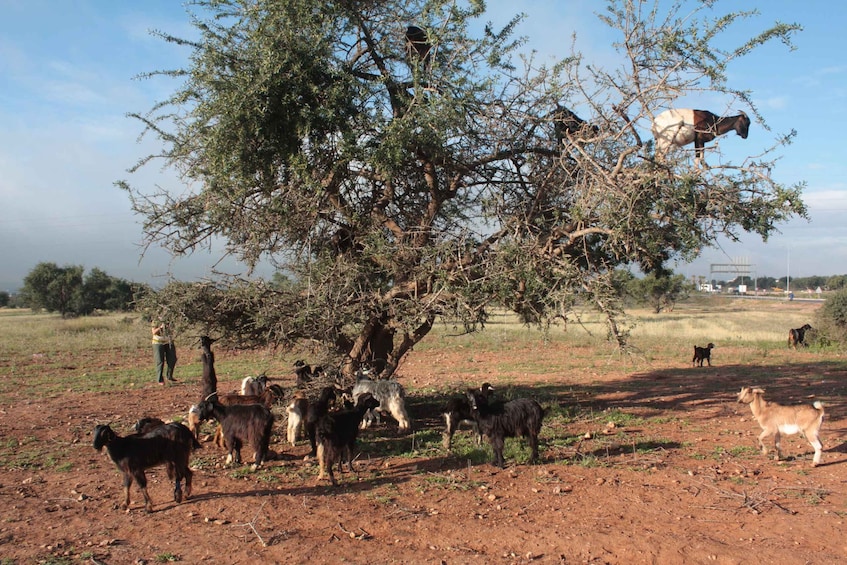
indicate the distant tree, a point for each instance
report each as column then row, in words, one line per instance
column 766, row 283
column 660, row 290
column 5, row 298
column 65, row 290
column 398, row 187
column 809, row 282
column 53, row 288
column 836, row 282
column 94, row 292
column 103, row 292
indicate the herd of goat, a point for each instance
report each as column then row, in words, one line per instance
column 331, row 421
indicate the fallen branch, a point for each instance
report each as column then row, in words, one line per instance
column 353, row 535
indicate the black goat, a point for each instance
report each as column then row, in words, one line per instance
column 521, row 417
column 315, row 411
column 241, row 424
column 135, row 453
column 565, row 122
column 337, row 433
column 703, row 354
column 417, row 44
column 798, row 335
column 209, row 378
column 175, row 431
column 304, row 374
column 457, row 412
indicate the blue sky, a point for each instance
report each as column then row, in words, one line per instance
column 67, row 81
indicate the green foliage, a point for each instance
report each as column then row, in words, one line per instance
column 5, row 298
column 659, row 290
column 830, row 326
column 392, row 189
column 836, row 282
column 64, row 290
column 53, row 288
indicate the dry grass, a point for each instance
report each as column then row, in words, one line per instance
column 744, row 331
column 25, row 333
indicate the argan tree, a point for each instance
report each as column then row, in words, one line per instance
column 396, row 166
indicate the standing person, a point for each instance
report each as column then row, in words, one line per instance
column 164, row 351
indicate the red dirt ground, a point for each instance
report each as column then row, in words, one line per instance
column 678, row 485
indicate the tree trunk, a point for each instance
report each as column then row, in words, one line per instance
column 375, row 347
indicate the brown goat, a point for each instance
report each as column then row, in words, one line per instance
column 798, row 335
column 267, row 398
column 775, row 419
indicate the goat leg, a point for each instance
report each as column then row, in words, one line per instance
column 533, row 443
column 497, row 445
column 325, row 466
column 188, row 476
column 127, row 484
column 762, row 437
column 816, row 443
column 177, row 491
column 148, row 503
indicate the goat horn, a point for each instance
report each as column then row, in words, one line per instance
column 210, row 396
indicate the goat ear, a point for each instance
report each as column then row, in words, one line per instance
column 758, row 391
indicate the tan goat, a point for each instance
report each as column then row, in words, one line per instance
column 775, row 419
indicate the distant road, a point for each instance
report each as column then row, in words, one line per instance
column 782, row 298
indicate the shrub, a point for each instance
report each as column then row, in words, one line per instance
column 831, row 321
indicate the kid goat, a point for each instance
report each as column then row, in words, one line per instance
column 775, row 419
column 457, row 412
column 703, row 354
column 681, row 126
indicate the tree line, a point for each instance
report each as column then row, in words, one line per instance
column 69, row 291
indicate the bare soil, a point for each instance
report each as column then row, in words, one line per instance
column 680, row 482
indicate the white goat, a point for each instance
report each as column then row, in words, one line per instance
column 254, row 386
column 775, row 419
column 296, row 412
column 391, row 398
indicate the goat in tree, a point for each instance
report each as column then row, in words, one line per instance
column 681, row 126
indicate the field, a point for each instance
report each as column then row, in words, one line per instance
column 645, row 459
